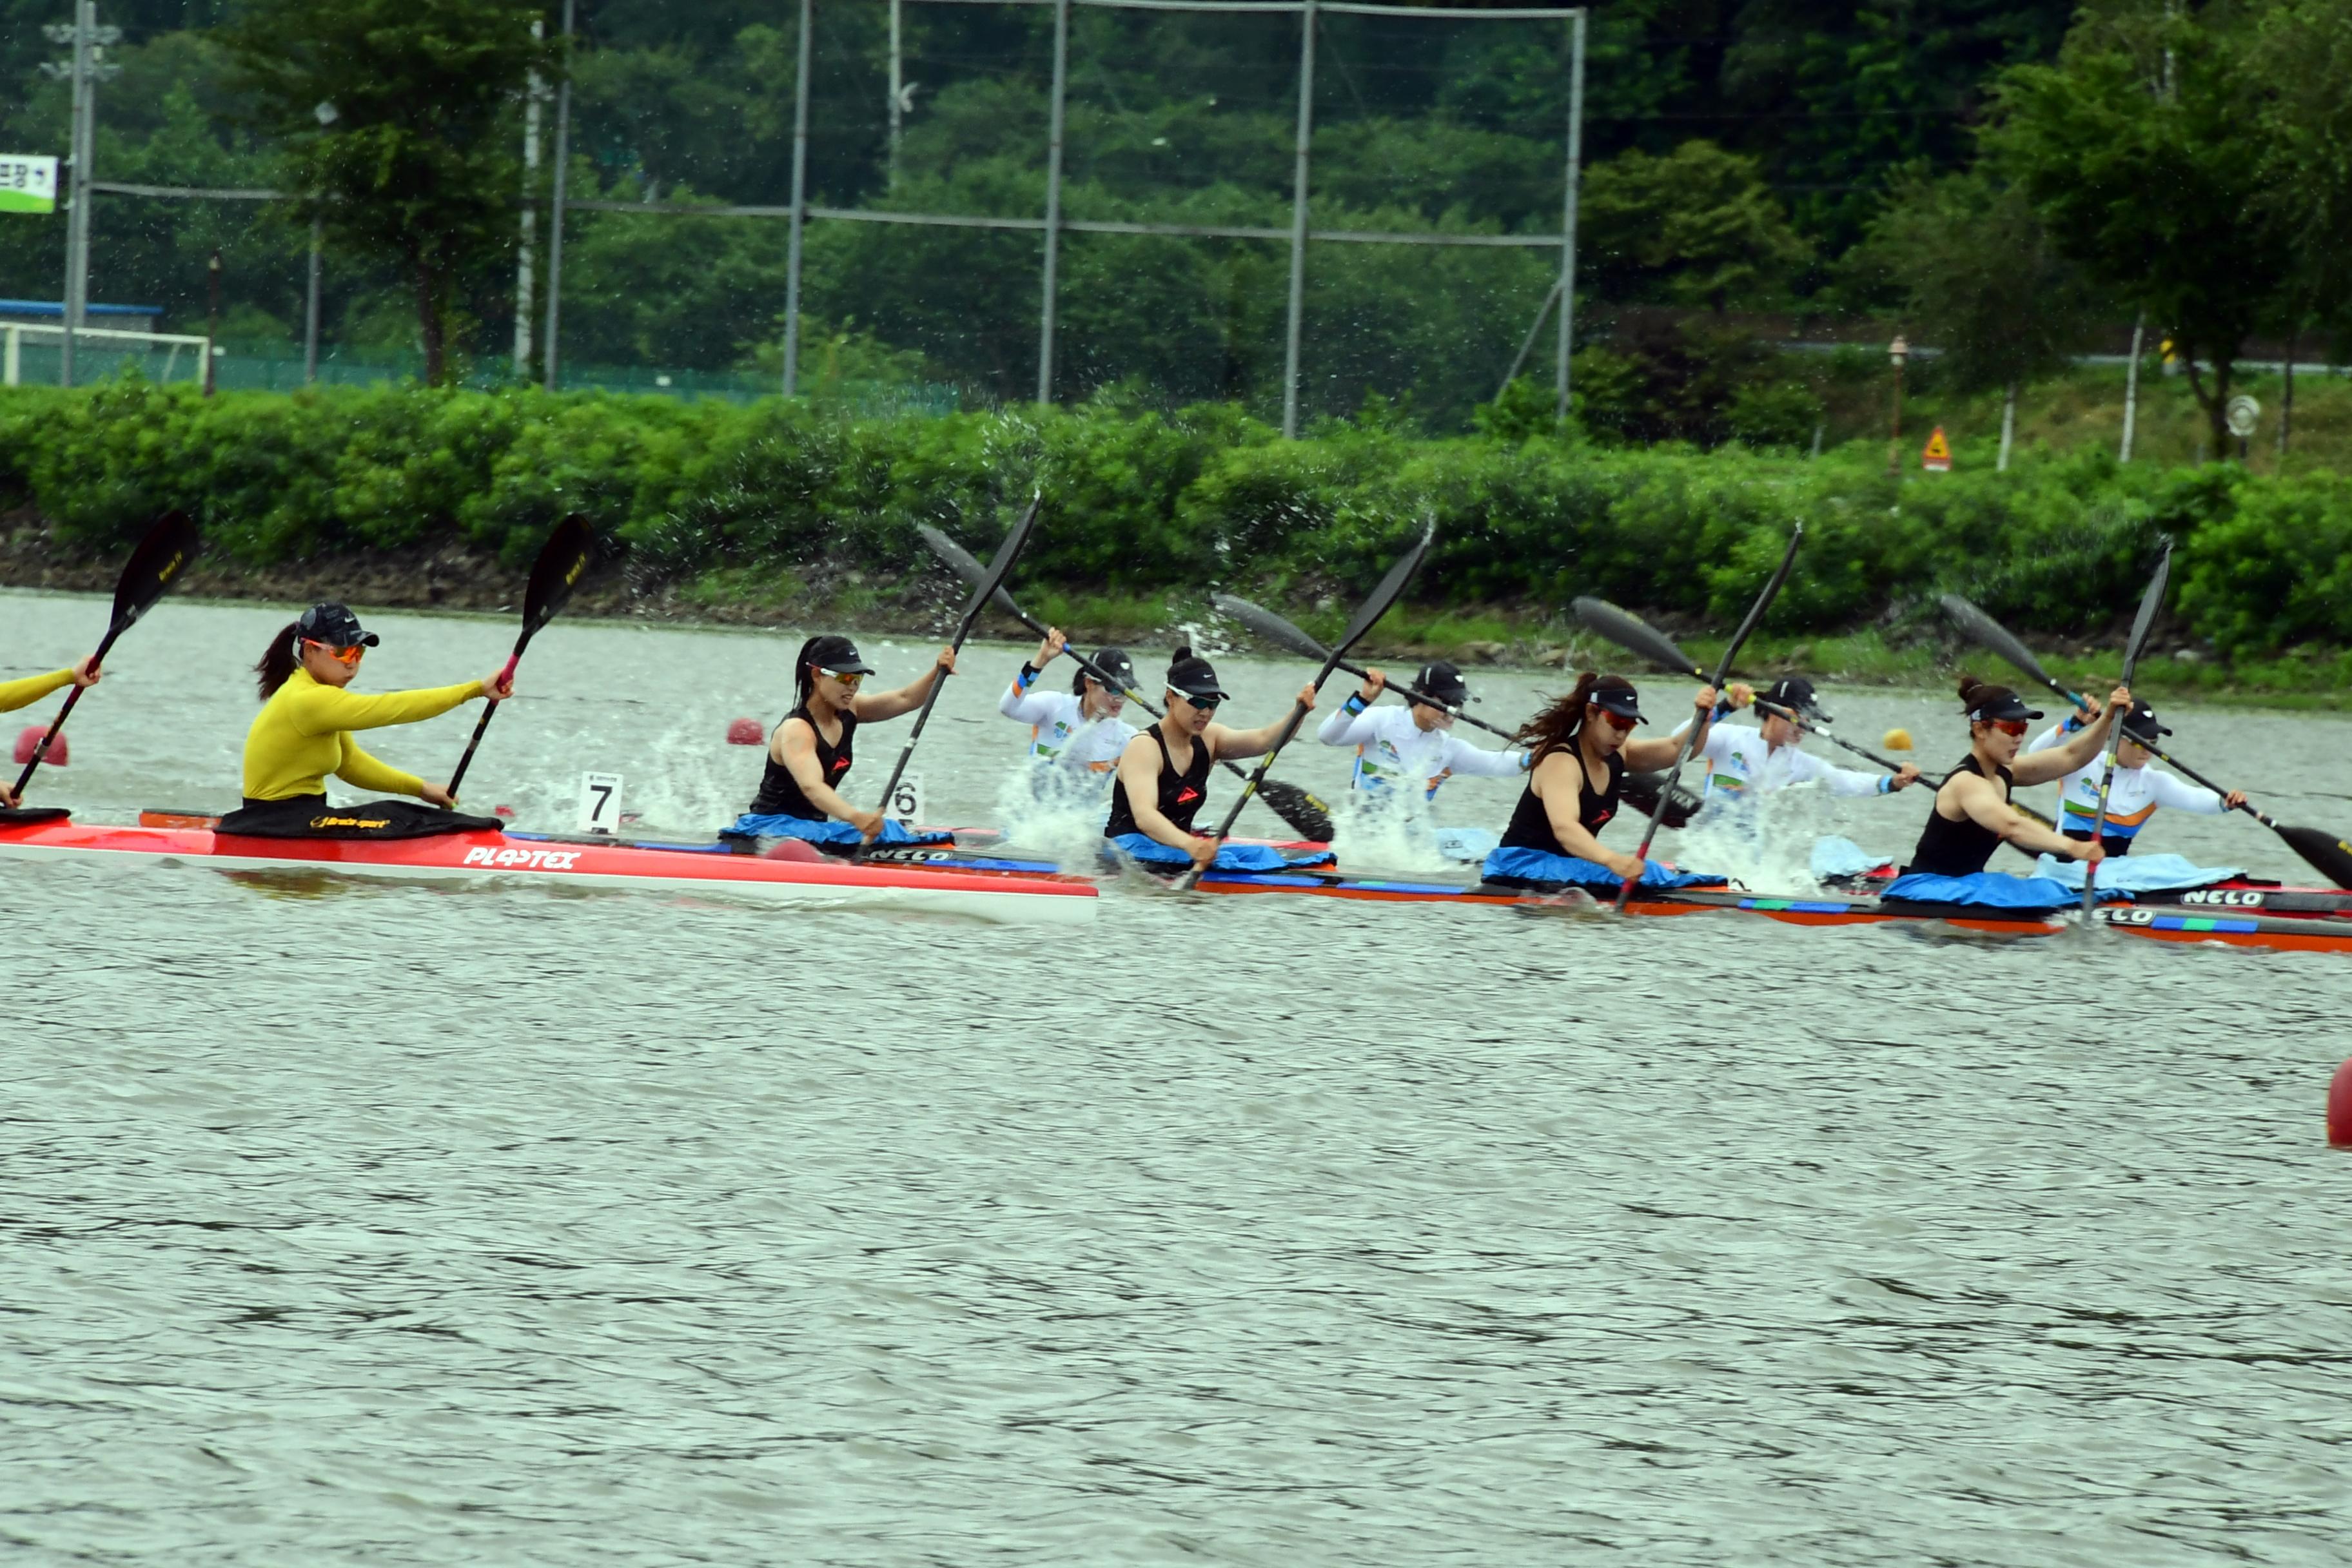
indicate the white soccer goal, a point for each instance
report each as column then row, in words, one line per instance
column 158, row 356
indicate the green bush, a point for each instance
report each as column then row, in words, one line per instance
column 1143, row 503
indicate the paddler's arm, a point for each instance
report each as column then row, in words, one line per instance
column 1559, row 783
column 1461, row 757
column 1139, row 771
column 320, row 710
column 1980, row 799
column 361, row 771
column 16, row 694
column 1664, row 750
column 872, row 707
column 1257, row 742
column 796, row 748
column 2075, row 752
column 2180, row 795
column 1022, row 700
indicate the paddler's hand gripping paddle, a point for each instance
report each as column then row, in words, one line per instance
column 149, row 574
column 564, row 560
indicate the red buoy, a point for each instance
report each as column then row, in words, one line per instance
column 745, row 733
column 2339, row 1108
column 28, row 740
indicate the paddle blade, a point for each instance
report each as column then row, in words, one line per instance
column 153, row 568
column 1991, row 636
column 2329, row 856
column 2150, row 603
column 564, row 560
column 1385, row 596
column 1641, row 791
column 993, row 580
column 1301, row 809
column 966, row 565
column 1634, row 634
column 1269, row 626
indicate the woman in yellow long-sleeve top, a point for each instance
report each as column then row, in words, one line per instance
column 16, row 694
column 304, row 732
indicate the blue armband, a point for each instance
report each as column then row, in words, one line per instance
column 1886, row 784
column 1355, row 703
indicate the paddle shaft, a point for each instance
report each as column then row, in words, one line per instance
column 41, row 750
column 1298, row 712
column 2142, row 624
column 483, row 723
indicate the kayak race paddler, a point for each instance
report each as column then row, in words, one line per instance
column 809, row 753
column 1414, row 747
column 1077, row 732
column 1582, row 745
column 1971, row 816
column 303, row 733
column 1163, row 776
column 2138, row 789
column 1743, row 762
column 24, row 693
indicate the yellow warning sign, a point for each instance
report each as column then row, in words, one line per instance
column 1937, row 458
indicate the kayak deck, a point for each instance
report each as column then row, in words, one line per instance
column 473, row 857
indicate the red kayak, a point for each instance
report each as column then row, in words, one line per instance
column 488, row 856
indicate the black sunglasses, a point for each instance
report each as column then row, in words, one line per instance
column 1205, row 704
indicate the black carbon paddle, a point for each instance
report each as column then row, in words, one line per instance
column 562, row 561
column 1369, row 611
column 990, row 585
column 2150, row 602
column 2324, row 852
column 1723, row 668
column 146, row 577
column 1302, row 810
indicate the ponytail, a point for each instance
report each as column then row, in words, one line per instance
column 802, row 681
column 279, row 661
column 1557, row 726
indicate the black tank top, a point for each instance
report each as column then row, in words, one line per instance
column 1530, row 825
column 1948, row 849
column 1181, row 795
column 779, row 793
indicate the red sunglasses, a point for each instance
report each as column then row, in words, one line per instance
column 1617, row 721
column 2007, row 726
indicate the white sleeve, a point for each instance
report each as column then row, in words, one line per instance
column 2182, row 796
column 1345, row 729
column 2054, row 735
column 1476, row 761
column 1029, row 705
column 1805, row 766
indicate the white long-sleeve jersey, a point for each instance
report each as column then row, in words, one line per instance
column 1391, row 751
column 1738, row 763
column 1059, row 730
column 2131, row 800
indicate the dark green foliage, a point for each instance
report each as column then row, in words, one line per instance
column 1147, row 502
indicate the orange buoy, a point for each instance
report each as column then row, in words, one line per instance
column 745, row 733
column 28, row 740
column 2339, row 1108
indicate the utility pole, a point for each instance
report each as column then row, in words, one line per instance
column 88, row 41
column 898, row 88
column 536, row 91
column 555, row 205
column 212, row 318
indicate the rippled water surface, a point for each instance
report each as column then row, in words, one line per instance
column 354, row 1223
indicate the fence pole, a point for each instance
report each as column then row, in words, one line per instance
column 2131, row 388
column 1299, row 220
column 1567, row 221
column 897, row 85
column 532, row 93
column 1054, row 201
column 311, row 312
column 555, row 205
column 799, row 209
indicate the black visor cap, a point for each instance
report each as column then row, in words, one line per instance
column 1190, row 678
column 1114, row 663
column 1444, row 682
column 1621, row 701
column 838, row 654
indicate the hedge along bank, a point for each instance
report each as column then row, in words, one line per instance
column 1147, row 502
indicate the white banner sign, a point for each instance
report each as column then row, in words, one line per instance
column 27, row 184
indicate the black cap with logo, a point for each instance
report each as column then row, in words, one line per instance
column 2140, row 723
column 1442, row 681
column 1190, row 675
column 1115, row 663
column 334, row 626
column 1796, row 693
column 1999, row 702
column 1616, row 694
column 838, row 654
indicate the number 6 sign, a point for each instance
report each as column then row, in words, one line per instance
column 906, row 802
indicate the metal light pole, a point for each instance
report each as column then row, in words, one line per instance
column 1298, row 219
column 311, row 312
column 1568, row 224
column 555, row 212
column 1053, row 199
column 799, row 209
column 84, row 34
column 532, row 95
column 1898, row 350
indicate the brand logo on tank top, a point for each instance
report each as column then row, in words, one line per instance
column 1187, row 795
column 840, row 764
